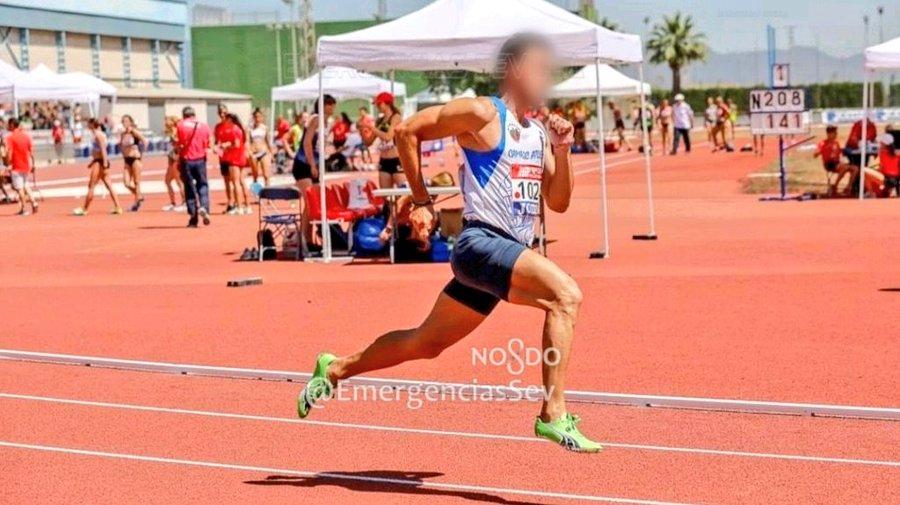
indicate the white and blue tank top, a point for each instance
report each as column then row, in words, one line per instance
column 502, row 187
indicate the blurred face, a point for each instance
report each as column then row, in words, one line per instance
column 258, row 117
column 329, row 108
column 223, row 111
column 304, row 117
column 530, row 76
column 383, row 107
column 126, row 122
column 709, row 101
column 832, row 135
column 665, row 103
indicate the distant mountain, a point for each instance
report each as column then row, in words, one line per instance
column 808, row 65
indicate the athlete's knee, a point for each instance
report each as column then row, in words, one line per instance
column 567, row 298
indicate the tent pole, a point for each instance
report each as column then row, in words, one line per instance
column 392, row 81
column 863, row 142
column 326, row 230
column 651, row 235
column 604, row 205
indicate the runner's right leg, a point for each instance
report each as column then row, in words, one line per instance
column 449, row 322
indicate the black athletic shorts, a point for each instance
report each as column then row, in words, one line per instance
column 482, row 262
column 302, row 170
column 129, row 160
column 832, row 166
column 225, row 168
column 390, row 166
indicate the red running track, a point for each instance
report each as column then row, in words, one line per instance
column 739, row 299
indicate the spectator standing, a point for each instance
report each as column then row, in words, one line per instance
column 223, row 134
column 20, row 160
column 709, row 118
column 683, row 122
column 193, row 143
column 664, row 119
column 890, row 164
column 619, row 126
column 57, row 133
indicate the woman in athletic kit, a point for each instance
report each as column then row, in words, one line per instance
column 260, row 148
column 389, row 171
column 99, row 167
column 172, row 174
column 131, row 141
column 619, row 126
column 664, row 119
column 232, row 139
column 512, row 166
column 306, row 160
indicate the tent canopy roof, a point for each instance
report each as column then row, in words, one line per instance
column 90, row 82
column 884, row 56
column 340, row 82
column 467, row 35
column 612, row 83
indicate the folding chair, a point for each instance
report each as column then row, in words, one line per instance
column 273, row 216
column 336, row 213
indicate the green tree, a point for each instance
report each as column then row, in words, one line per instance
column 676, row 42
column 609, row 24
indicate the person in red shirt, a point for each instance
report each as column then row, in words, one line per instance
column 20, row 158
column 58, row 134
column 852, row 147
column 222, row 134
column 193, row 144
column 233, row 141
column 830, row 151
column 890, row 162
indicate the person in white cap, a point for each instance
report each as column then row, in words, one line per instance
column 683, row 116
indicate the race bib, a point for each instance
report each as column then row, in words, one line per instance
column 526, row 189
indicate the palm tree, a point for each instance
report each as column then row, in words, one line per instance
column 609, row 24
column 675, row 42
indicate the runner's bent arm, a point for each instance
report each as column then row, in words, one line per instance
column 458, row 117
column 559, row 180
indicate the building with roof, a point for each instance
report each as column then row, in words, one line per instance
column 142, row 47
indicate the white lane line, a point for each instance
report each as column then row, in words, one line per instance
column 444, row 433
column 335, row 476
column 495, row 391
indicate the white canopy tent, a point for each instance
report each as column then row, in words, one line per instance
column 43, row 84
column 612, row 83
column 8, row 76
column 883, row 57
column 340, row 82
column 467, row 35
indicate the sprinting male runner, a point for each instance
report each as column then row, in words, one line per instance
column 510, row 163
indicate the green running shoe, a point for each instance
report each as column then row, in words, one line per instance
column 318, row 386
column 564, row 431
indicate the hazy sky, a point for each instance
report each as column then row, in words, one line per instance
column 836, row 26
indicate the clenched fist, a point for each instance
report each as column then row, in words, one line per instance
column 562, row 133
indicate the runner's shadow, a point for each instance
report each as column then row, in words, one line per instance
column 382, row 481
column 890, row 290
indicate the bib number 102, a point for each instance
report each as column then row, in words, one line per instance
column 527, row 190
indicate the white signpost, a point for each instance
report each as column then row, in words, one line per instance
column 781, row 75
column 779, row 111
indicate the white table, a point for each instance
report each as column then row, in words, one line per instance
column 392, row 194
